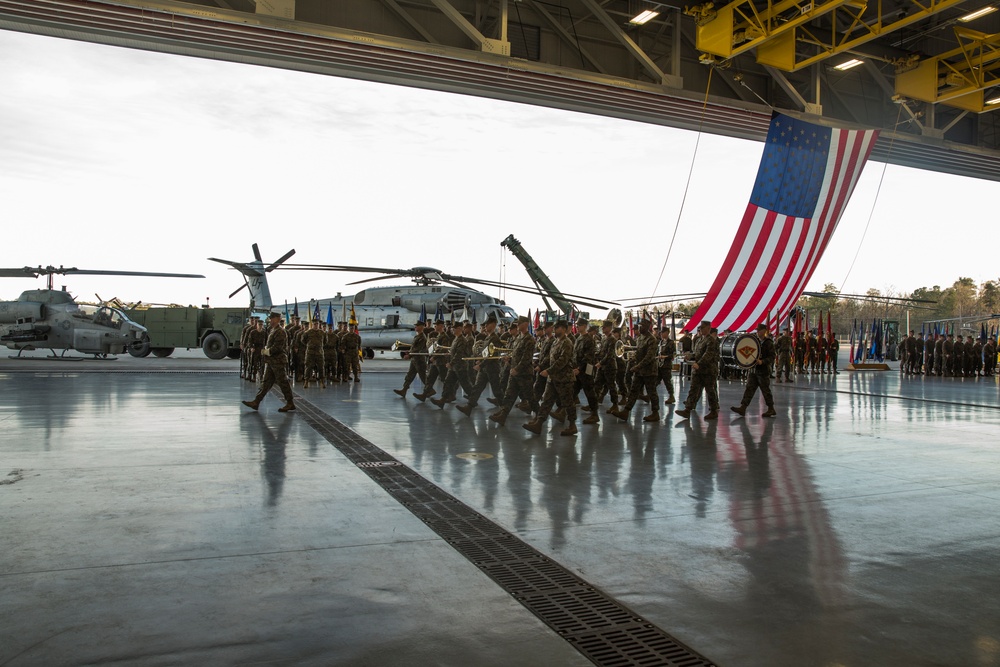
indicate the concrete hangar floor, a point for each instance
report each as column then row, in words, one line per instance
column 150, row 519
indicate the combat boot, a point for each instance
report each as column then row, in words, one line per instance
column 500, row 417
column 592, row 419
column 684, row 414
column 465, row 409
column 287, row 407
column 622, row 413
column 252, row 404
column 741, row 410
column 770, row 413
column 714, row 414
column 535, row 426
column 400, row 392
column 569, row 430
column 652, row 417
column 440, row 402
column 559, row 415
column 524, row 407
column 495, row 401
column 669, row 401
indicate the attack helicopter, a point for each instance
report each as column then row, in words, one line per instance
column 386, row 315
column 52, row 319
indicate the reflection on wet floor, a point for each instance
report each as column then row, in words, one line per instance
column 857, row 528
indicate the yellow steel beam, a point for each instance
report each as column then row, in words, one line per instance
column 782, row 29
column 956, row 78
column 739, row 26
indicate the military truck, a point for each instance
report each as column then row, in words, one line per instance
column 215, row 330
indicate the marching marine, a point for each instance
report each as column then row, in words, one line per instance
column 560, row 375
column 275, row 355
column 704, row 373
column 418, row 360
column 760, row 375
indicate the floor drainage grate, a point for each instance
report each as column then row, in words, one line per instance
column 603, row 630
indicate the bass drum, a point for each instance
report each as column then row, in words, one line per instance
column 740, row 349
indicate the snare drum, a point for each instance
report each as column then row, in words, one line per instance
column 742, row 349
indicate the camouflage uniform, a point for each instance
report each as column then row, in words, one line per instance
column 438, row 363
column 607, row 379
column 559, row 384
column 667, row 349
column 833, row 347
column 760, row 377
column 418, row 363
column 544, row 347
column 784, row 351
column 489, row 370
column 255, row 343
column 644, row 373
column 275, row 366
column 350, row 345
column 585, row 351
column 458, row 368
column 706, row 355
column 521, row 381
column 330, row 355
column 245, row 349
column 311, row 342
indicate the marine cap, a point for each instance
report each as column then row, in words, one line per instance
column 439, row 321
column 523, row 319
column 562, row 323
column 419, row 323
column 607, row 325
column 762, row 326
column 705, row 323
column 548, row 325
column 274, row 316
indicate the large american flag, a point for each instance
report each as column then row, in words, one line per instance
column 805, row 179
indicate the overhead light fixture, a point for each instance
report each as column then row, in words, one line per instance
column 977, row 14
column 848, row 64
column 644, row 17
column 995, row 100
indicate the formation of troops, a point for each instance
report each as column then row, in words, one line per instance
column 548, row 373
column 314, row 353
column 947, row 355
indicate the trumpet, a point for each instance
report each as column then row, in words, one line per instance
column 400, row 345
column 490, row 352
column 432, row 351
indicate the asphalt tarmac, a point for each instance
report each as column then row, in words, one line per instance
column 150, row 519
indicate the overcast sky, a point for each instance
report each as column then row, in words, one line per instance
column 113, row 158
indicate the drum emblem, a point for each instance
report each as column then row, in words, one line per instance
column 748, row 351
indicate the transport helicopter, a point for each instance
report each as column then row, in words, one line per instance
column 52, row 319
column 386, row 315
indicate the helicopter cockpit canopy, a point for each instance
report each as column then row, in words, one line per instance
column 103, row 315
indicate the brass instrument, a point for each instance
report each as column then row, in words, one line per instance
column 400, row 345
column 490, row 352
column 432, row 351
column 623, row 351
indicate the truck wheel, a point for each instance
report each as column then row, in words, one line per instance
column 215, row 346
column 162, row 352
column 233, row 353
column 140, row 348
column 369, row 353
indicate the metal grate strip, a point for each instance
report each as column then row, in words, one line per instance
column 599, row 627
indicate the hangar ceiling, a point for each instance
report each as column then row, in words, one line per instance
column 925, row 71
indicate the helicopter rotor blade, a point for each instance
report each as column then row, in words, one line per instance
column 245, row 269
column 147, row 274
column 528, row 289
column 371, row 280
column 276, row 264
column 238, row 290
column 256, row 253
